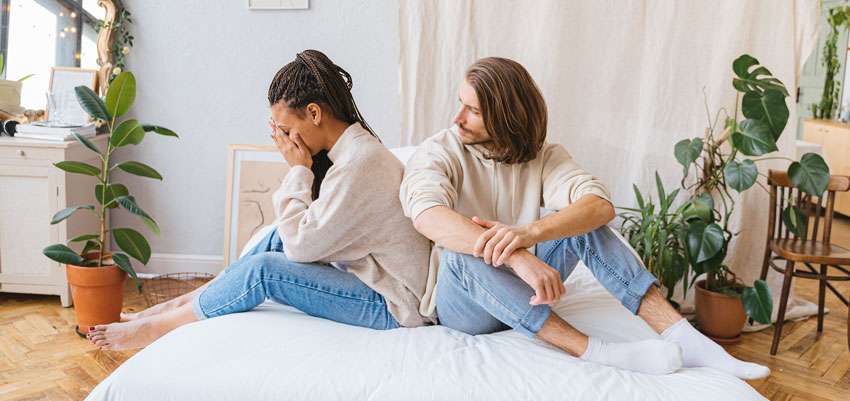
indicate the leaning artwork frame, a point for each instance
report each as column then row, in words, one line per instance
column 254, row 172
column 62, row 104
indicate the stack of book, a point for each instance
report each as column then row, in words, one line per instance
column 53, row 131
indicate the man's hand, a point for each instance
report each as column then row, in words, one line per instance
column 500, row 241
column 293, row 149
column 543, row 279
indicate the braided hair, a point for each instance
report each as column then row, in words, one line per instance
column 313, row 78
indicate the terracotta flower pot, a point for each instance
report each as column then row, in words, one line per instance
column 98, row 292
column 720, row 316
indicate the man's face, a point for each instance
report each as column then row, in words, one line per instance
column 468, row 118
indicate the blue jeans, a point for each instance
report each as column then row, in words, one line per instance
column 314, row 288
column 477, row 298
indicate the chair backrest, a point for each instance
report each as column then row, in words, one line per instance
column 783, row 194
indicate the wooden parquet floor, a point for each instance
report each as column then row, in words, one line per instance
column 41, row 358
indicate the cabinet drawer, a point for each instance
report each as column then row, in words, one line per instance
column 28, row 153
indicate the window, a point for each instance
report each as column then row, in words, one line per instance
column 36, row 35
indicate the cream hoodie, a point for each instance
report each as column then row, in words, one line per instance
column 357, row 223
column 445, row 172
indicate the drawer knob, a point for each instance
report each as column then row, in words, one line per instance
column 21, row 152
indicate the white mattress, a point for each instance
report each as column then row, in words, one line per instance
column 278, row 353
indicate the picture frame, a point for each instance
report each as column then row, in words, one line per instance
column 62, row 100
column 254, row 173
column 278, row 4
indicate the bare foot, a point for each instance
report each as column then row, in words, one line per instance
column 126, row 335
column 140, row 332
column 156, row 309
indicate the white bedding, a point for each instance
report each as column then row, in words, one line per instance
column 278, row 353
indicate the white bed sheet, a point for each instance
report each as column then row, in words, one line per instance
column 278, row 353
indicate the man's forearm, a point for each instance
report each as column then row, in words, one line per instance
column 587, row 214
column 448, row 228
column 453, row 231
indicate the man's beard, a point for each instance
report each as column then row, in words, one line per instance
column 467, row 140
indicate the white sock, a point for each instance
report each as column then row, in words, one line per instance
column 655, row 357
column 698, row 351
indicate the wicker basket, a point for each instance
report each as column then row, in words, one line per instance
column 165, row 287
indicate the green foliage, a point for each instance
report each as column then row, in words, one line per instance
column 110, row 195
column 698, row 231
column 839, row 21
column 654, row 231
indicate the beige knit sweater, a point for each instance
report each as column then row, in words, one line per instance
column 445, row 172
column 357, row 223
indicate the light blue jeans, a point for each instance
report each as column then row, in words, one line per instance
column 314, row 288
column 477, row 298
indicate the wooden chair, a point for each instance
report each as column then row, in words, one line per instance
column 807, row 249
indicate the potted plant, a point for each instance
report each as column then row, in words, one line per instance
column 95, row 274
column 10, row 92
column 727, row 160
column 839, row 20
column 654, row 233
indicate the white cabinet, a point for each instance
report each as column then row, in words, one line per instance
column 31, row 191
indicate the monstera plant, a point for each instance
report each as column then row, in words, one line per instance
column 727, row 161
column 96, row 275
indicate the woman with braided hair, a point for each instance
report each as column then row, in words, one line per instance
column 342, row 248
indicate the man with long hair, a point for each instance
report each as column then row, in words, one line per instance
column 477, row 190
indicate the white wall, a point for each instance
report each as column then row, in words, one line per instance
column 203, row 69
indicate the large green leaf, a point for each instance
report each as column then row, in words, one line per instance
column 768, row 107
column 159, row 130
column 112, row 191
column 754, row 138
column 91, row 103
column 121, row 94
column 133, row 243
column 758, row 79
column 67, row 212
column 687, row 151
column 139, row 169
column 86, row 143
column 795, row 220
column 128, row 132
column 62, row 254
column 700, row 207
column 740, row 175
column 125, row 264
column 90, row 246
column 704, row 240
column 78, row 167
column 810, row 174
column 129, row 203
column 84, row 237
column 757, row 302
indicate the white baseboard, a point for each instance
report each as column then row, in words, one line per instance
column 162, row 263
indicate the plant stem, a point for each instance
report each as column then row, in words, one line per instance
column 103, row 207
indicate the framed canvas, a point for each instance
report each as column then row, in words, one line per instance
column 62, row 104
column 254, row 173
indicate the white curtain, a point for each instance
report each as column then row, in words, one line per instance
column 623, row 80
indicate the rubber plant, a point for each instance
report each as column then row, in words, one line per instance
column 839, row 21
column 109, row 194
column 726, row 161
